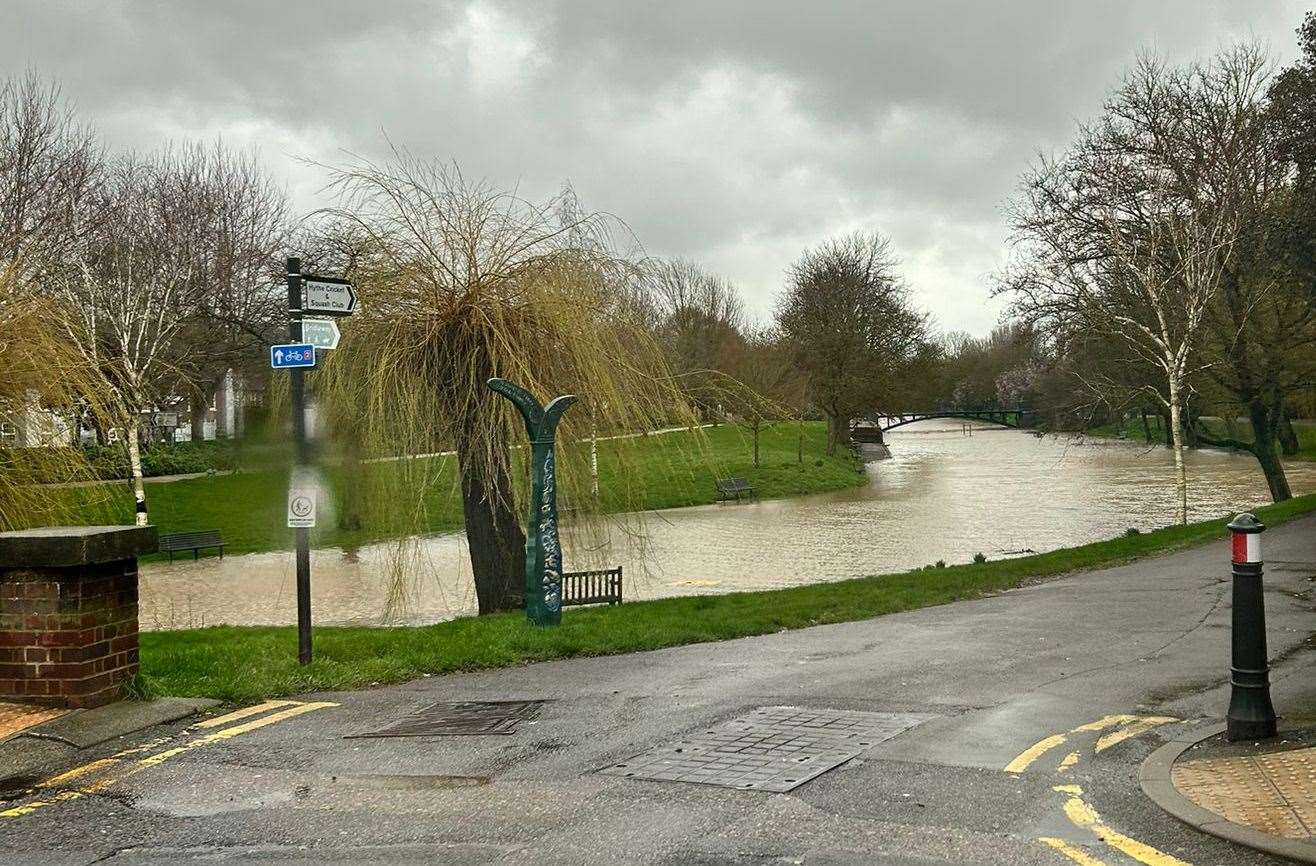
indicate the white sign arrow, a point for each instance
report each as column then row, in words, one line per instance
column 321, row 333
column 325, row 295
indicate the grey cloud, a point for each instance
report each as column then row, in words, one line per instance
column 729, row 132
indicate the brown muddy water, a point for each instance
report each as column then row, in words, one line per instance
column 941, row 495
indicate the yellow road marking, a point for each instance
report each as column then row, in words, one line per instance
column 1033, row 752
column 1105, row 722
column 1141, row 726
column 1135, row 725
column 1083, row 815
column 236, row 730
column 1078, row 855
column 78, row 772
column 238, row 715
column 153, row 760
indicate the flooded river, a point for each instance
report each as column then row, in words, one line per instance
column 941, row 495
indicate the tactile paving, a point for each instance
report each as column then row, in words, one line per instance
column 1274, row 793
column 771, row 749
column 20, row 717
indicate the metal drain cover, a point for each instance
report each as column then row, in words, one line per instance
column 460, row 719
column 771, row 749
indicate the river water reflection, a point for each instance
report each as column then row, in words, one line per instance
column 941, row 495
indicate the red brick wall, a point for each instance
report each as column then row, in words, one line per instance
column 68, row 636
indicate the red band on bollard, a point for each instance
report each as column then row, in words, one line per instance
column 1246, row 547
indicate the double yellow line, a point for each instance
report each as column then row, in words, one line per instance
column 1127, row 727
column 1114, row 729
column 72, row 784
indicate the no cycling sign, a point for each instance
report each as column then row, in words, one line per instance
column 301, row 508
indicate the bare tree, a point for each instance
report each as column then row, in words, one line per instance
column 49, row 166
column 764, row 384
column 1123, row 236
column 130, row 288
column 848, row 319
column 699, row 319
column 240, row 229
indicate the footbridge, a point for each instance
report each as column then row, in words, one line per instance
column 871, row 427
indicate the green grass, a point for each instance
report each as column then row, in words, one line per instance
column 249, row 663
column 1131, row 428
column 662, row 471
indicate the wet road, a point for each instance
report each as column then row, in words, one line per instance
column 1027, row 703
column 942, row 495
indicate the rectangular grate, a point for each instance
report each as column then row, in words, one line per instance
column 771, row 749
column 460, row 719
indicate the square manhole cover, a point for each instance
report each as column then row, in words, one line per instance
column 771, row 749
column 460, row 719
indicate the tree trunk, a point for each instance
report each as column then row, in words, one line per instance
column 756, row 446
column 1263, row 447
column 1288, row 437
column 493, row 532
column 799, row 445
column 1166, row 429
column 1180, row 471
column 1189, row 420
column 1146, row 428
column 838, row 433
column 135, row 464
column 199, row 405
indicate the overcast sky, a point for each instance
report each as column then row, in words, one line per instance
column 731, row 133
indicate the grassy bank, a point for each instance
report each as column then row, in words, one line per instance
column 241, row 664
column 662, row 471
column 1131, row 429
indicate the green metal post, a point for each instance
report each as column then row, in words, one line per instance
column 543, row 550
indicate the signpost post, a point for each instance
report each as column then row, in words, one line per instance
column 306, row 293
column 302, row 533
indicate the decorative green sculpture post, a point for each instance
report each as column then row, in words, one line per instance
column 543, row 551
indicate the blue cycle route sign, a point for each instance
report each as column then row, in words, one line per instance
column 290, row 355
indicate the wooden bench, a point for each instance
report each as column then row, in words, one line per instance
column 591, row 587
column 193, row 541
column 733, row 488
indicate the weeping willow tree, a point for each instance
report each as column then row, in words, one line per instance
column 43, row 382
column 460, row 281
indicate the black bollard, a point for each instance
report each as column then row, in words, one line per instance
column 1251, row 714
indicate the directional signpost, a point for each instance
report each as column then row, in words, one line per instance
column 328, row 295
column 334, row 297
column 321, row 333
column 286, row 356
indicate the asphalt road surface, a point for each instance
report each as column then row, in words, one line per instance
column 1032, row 712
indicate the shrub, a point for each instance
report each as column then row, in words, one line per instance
column 941, row 563
column 979, row 558
column 1132, row 530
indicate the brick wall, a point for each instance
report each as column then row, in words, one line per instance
column 68, row 636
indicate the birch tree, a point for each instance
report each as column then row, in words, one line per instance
column 129, row 288
column 1121, row 237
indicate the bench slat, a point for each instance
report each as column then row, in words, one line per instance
column 601, row 586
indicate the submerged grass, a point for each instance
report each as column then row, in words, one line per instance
column 250, row 663
column 1131, row 429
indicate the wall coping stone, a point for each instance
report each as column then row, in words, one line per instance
column 65, row 546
